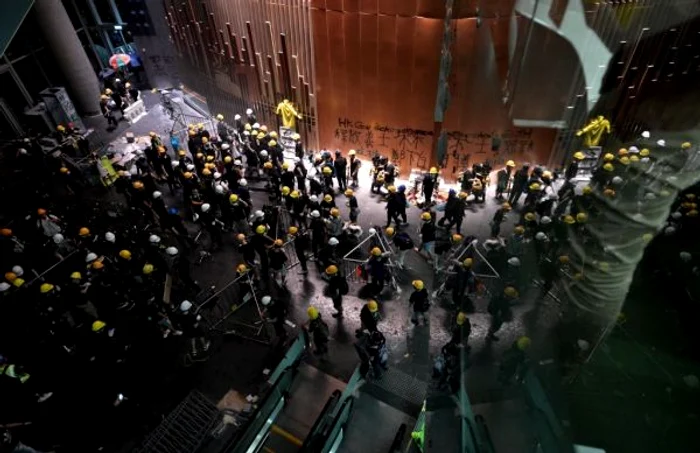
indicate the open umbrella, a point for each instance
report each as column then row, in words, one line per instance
column 119, row 60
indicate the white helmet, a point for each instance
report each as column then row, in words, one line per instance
column 263, row 153
column 259, row 214
column 372, row 231
column 315, row 214
column 249, row 112
column 154, row 239
column 18, row 271
column 661, row 142
column 225, row 146
column 243, row 182
column 685, row 257
column 4, row 286
column 57, row 238
column 157, row 195
column 676, row 215
column 633, row 149
column 644, row 160
column 174, row 163
column 256, row 126
column 117, row 80
column 185, row 306
column 646, row 134
column 217, row 175
column 514, row 261
column 313, row 198
column 237, row 116
column 110, row 237
column 90, row 257
column 669, row 230
column 333, row 241
column 171, row 251
column 540, row 236
column 205, row 207
column 190, row 167
column 649, row 196
column 219, row 188
column 546, row 220
column 246, row 133
column 266, row 300
column 617, row 180
column 237, row 162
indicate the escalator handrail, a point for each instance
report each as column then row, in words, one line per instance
column 331, row 426
column 477, row 446
column 315, row 429
column 398, row 438
column 487, row 434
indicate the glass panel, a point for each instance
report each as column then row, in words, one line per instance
column 12, row 95
column 31, row 76
column 105, row 11
column 28, row 37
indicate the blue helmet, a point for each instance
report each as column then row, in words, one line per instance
column 173, row 211
column 402, row 188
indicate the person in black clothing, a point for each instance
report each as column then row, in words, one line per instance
column 369, row 317
column 341, row 170
column 355, row 165
column 300, row 175
column 572, row 169
column 246, row 249
column 393, row 207
column 276, row 313
column 319, row 331
column 451, row 205
column 420, row 302
column 401, row 203
column 498, row 218
column 429, row 184
column 287, row 178
column 353, row 205
column 337, row 287
column 301, row 245
column 318, row 232
column 261, row 241
column 461, row 331
column 193, row 330
column 277, row 259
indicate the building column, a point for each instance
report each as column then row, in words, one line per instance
column 63, row 41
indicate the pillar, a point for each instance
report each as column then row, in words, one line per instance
column 72, row 60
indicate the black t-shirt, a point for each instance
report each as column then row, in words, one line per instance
column 427, row 232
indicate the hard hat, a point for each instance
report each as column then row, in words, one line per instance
column 514, row 261
column 267, row 165
column 278, row 243
column 109, row 237
column 468, row 262
column 391, row 189
column 372, row 231
column 97, row 265
column 76, row 276
column 506, row 206
column 260, row 135
column 609, row 192
column 272, row 143
column 247, row 128
column 84, row 232
column 535, row 186
column 147, row 269
column 425, row 216
column 263, row 128
column 241, row 268
column 546, row 220
column 634, row 158
column 327, row 198
column 260, row 229
column 530, row 216
column 18, row 270
column 266, row 300
column 546, row 174
column 187, row 175
column 233, row 198
column 456, row 238
column 60, row 128
column 249, row 112
column 686, row 145
column 608, row 157
column 510, row 163
column 376, row 251
column 510, row 291
column 220, row 117
column 206, row 172
column 41, row 211
column 296, row 136
column 192, row 133
column 332, row 269
column 185, row 306
column 293, row 230
column 206, row 207
column 313, row 198
column 352, row 152
column 335, row 212
column 608, row 167
column 285, row 190
column 294, row 194
column 182, row 153
column 333, row 241
column 243, row 182
column 523, row 343
column 686, row 256
column 104, row 97
column 90, row 257
column 389, row 231
column 285, row 165
column 161, row 149
column 587, row 190
column 519, row 229
column 210, row 158
column 462, row 195
column 273, row 134
column 98, row 325
column 190, row 167
column 578, row 155
column 4, row 286
column 569, row 219
column 564, row 259
column 622, row 152
column 237, row 162
column 418, row 284
column 327, row 170
column 540, row 236
column 461, row 318
column 644, row 152
column 64, row 170
column 315, row 214
column 138, row 185
column 624, row 160
column 373, row 306
column 6, row 232
column 581, row 217
column 312, row 312
column 228, row 159
column 154, row 239
column 218, row 188
column 45, row 288
column 156, row 195
column 433, row 170
column 125, row 254
column 692, row 213
column 240, row 237
column 259, row 214
column 10, row 276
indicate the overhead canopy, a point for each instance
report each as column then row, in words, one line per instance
column 12, row 14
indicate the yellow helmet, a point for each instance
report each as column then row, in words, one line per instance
column 608, row 157
column 456, row 238
column 390, row 231
column 634, row 158
column 461, row 318
column 581, row 217
column 294, row 194
column 506, row 206
column 624, row 160
column 64, row 170
column 519, row 229
column 327, row 198
column 206, row 172
column 220, row 117
column 463, row 195
column 45, row 288
column 332, row 269
column 76, row 276
column 182, row 153
column 535, row 186
column 228, row 159
column 261, row 135
column 608, row 167
column 569, row 219
column 285, row 165
column 468, row 262
column 241, row 268
column 686, row 145
column 199, row 155
column 372, row 306
column 622, row 152
column 327, row 170
column 546, row 174
column 278, row 243
column 293, row 230
column 335, row 212
column 296, row 136
column 376, row 251
column 609, row 192
column 433, row 170
column 426, row 216
column 349, row 193
column 147, row 269
column 210, row 158
column 272, row 143
column 391, row 189
column 418, row 284
column 97, row 265
column 564, row 259
column 312, row 312
column 578, row 155
column 261, row 229
column 352, row 152
column 233, row 198
column 125, row 254
column 188, row 175
column 10, row 276
column 285, row 190
column 137, row 185
column 510, row 292
column 510, row 163
column 98, row 325
column 247, row 127
column 84, row 232
column 644, row 152
column 530, row 216
column 587, row 190
column 273, row 134
column 267, row 165
column 523, row 343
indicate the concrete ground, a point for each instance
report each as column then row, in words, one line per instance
column 593, row 405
